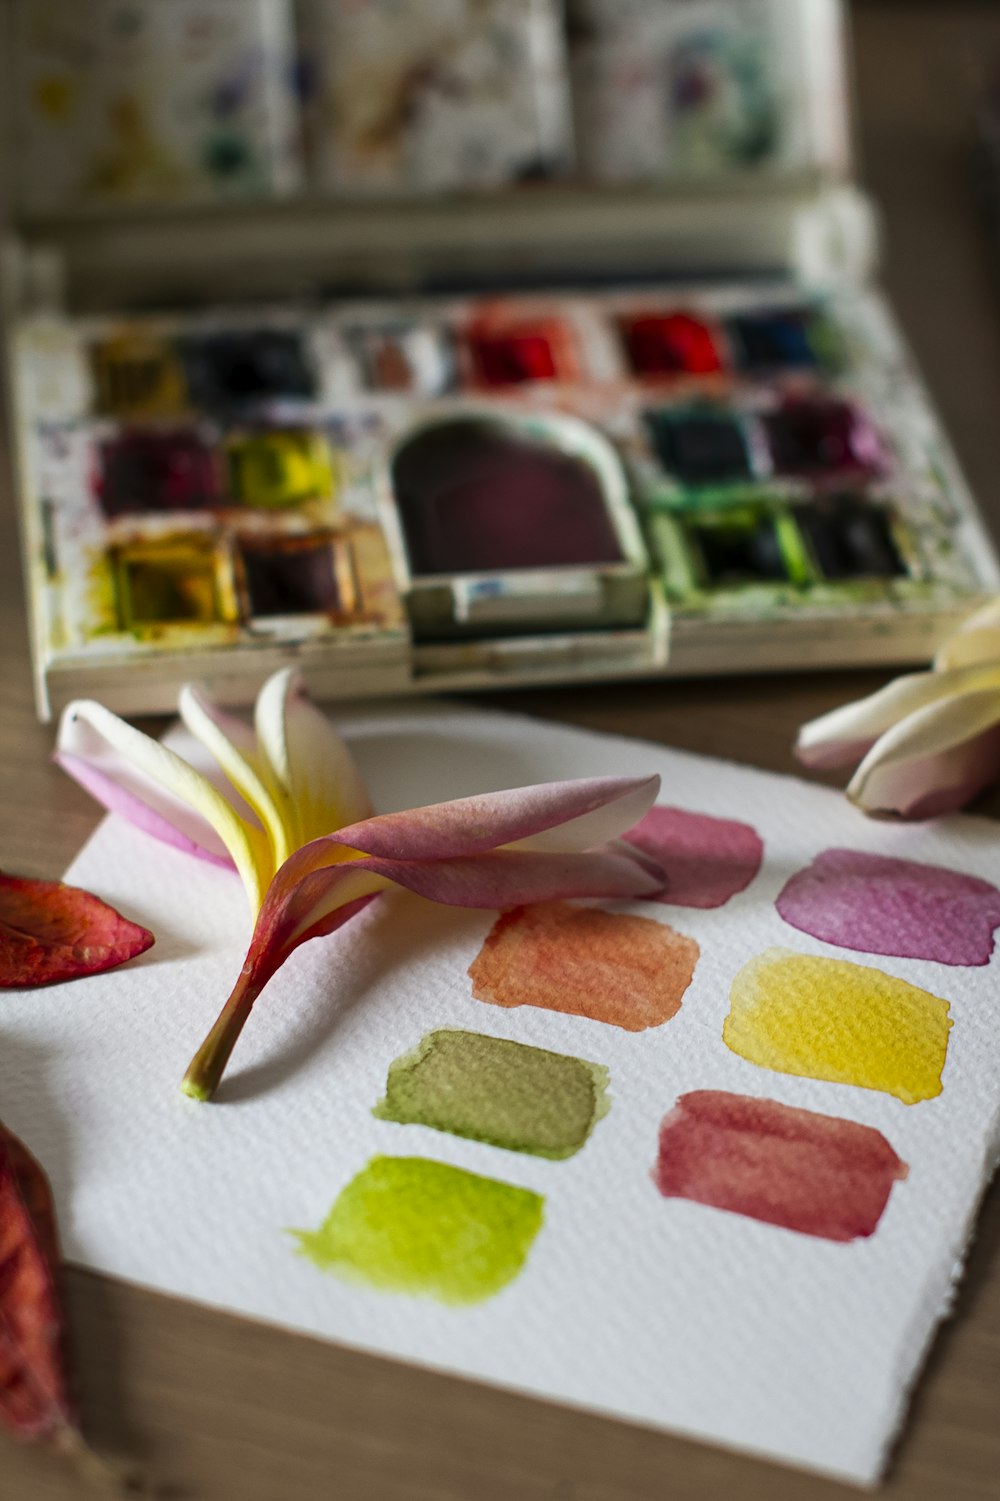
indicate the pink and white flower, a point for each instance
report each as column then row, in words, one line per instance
column 296, row 823
column 927, row 742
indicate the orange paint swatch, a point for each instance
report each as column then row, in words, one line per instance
column 629, row 972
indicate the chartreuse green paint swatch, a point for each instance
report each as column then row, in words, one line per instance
column 409, row 1225
column 522, row 1098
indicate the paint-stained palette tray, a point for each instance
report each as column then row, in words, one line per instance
column 433, row 494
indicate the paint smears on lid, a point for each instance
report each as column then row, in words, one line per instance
column 816, row 1174
column 878, row 905
column 847, row 1023
column 628, row 972
column 708, row 859
column 409, row 1225
column 492, row 1090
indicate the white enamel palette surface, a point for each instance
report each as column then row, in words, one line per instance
column 631, row 1292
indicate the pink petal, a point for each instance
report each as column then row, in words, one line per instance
column 514, row 878
column 81, row 744
column 309, row 897
column 473, row 825
column 118, row 799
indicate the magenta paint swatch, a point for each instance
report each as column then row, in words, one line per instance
column 816, row 1174
column 875, row 904
column 708, row 860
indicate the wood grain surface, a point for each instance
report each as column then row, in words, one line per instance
column 219, row 1408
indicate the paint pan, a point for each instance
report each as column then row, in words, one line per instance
column 239, row 366
column 311, row 574
column 671, row 344
column 819, row 437
column 416, row 358
column 276, row 469
column 179, row 580
column 154, row 471
column 137, row 374
column 849, row 537
column 524, row 521
column 707, row 445
column 791, row 338
column 512, row 351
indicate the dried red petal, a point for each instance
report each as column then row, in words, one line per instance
column 50, row 931
column 34, row 1401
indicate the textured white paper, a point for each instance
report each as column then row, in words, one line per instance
column 662, row 1311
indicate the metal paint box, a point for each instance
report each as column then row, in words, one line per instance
column 208, row 490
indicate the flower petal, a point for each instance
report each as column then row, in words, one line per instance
column 117, row 799
column 969, row 647
column 51, row 932
column 234, row 746
column 846, row 734
column 564, row 816
column 310, row 896
column 307, row 767
column 934, row 761
column 173, row 790
column 515, row 877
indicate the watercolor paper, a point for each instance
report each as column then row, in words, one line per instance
column 710, row 1319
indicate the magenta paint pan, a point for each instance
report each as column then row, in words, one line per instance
column 508, row 515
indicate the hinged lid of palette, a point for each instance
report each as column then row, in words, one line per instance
column 424, row 147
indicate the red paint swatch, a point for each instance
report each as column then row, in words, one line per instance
column 671, row 344
column 707, row 859
column 816, row 1174
column 626, row 971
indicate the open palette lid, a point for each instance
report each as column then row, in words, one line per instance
column 500, row 142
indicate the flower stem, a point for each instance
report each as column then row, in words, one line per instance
column 208, row 1064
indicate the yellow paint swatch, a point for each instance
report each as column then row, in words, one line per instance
column 829, row 1019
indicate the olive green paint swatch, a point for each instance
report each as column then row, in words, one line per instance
column 500, row 1092
column 409, row 1225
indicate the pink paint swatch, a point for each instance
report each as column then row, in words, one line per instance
column 707, row 859
column 816, row 1174
column 878, row 905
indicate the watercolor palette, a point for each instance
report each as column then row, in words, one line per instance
column 411, row 496
column 704, row 1162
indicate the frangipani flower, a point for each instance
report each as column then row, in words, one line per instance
column 296, row 823
column 927, row 742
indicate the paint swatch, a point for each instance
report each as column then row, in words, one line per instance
column 812, row 1173
column 879, row 905
column 408, row 1225
column 708, row 859
column 830, row 1019
column 629, row 972
column 490, row 1089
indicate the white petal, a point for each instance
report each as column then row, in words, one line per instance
column 845, row 734
column 933, row 761
column 234, row 746
column 163, row 781
column 308, row 769
column 598, row 827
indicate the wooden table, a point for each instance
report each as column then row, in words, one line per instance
column 217, row 1407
